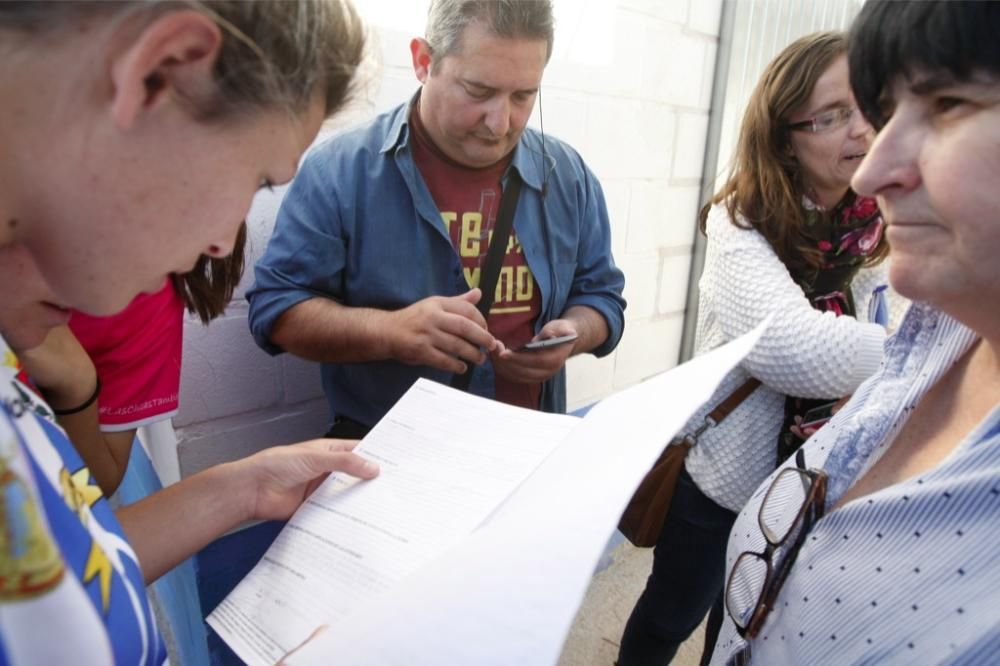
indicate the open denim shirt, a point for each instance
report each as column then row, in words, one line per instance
column 359, row 226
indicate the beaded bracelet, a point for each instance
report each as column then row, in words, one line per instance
column 87, row 403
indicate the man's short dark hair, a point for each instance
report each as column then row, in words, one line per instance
column 890, row 39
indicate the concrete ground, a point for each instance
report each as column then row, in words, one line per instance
column 597, row 628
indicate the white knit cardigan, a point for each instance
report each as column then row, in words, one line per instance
column 803, row 352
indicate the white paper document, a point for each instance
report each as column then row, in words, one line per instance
column 447, row 460
column 404, row 570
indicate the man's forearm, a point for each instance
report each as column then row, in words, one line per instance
column 591, row 328
column 323, row 330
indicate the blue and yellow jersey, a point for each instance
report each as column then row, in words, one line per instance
column 71, row 590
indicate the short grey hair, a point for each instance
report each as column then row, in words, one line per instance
column 524, row 19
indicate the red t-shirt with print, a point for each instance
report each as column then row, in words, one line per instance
column 469, row 200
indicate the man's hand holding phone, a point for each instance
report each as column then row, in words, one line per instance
column 546, row 343
column 539, row 359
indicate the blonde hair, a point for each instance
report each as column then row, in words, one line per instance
column 274, row 55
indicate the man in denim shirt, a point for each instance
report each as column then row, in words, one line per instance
column 380, row 242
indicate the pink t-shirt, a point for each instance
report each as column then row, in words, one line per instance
column 137, row 353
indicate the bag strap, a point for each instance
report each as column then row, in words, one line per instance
column 733, row 400
column 494, row 259
column 721, row 411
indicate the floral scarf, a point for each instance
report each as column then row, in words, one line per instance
column 846, row 235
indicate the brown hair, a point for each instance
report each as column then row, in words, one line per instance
column 208, row 287
column 765, row 185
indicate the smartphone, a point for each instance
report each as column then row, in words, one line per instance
column 818, row 416
column 547, row 342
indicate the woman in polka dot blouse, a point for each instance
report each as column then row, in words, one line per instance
column 880, row 543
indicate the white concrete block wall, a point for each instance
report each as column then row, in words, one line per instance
column 633, row 100
column 650, row 160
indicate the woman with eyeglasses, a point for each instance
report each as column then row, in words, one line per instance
column 787, row 239
column 879, row 542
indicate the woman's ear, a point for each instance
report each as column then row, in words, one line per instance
column 176, row 51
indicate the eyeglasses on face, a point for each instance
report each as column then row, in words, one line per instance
column 792, row 505
column 826, row 121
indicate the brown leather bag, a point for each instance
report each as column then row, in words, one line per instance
column 643, row 518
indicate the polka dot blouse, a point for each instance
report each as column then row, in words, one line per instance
column 909, row 574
